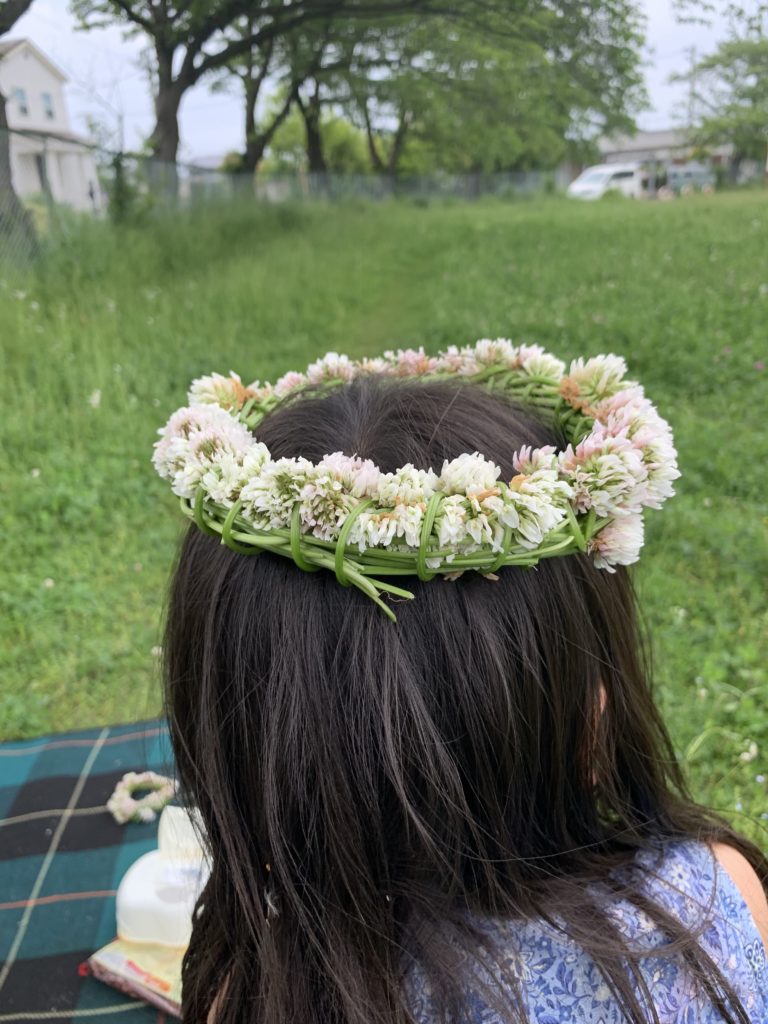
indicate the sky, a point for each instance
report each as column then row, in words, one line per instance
column 106, row 79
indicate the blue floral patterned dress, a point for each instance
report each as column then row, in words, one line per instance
column 560, row 983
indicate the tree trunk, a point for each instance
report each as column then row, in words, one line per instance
column 311, row 111
column 257, row 143
column 164, row 140
column 373, row 150
column 398, row 142
column 15, row 219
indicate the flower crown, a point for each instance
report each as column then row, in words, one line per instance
column 345, row 515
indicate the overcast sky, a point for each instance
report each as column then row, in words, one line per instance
column 105, row 78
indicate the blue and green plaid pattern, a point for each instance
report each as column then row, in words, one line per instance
column 61, row 859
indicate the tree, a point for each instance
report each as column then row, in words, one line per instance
column 729, row 94
column 484, row 95
column 14, row 216
column 190, row 39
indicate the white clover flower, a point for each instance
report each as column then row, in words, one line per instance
column 360, row 477
column 289, row 382
column 406, row 486
column 223, row 479
column 192, row 440
column 325, row 503
column 535, row 362
column 499, row 351
column 380, row 528
column 268, row 498
column 468, row 474
column 202, row 452
column 618, row 543
column 331, row 366
column 376, row 367
column 228, row 473
column 660, row 459
column 588, row 383
column 451, row 521
column 607, row 474
column 534, row 505
column 227, row 392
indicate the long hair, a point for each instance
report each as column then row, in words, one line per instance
column 370, row 789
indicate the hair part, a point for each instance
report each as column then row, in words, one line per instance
column 368, row 788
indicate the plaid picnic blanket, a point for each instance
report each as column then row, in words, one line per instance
column 61, row 859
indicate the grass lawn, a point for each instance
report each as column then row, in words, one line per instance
column 100, row 342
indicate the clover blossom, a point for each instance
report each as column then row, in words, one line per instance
column 331, row 489
column 269, row 497
column 535, row 362
column 500, row 351
column 607, row 474
column 226, row 392
column 379, row 529
column 406, row 486
column 468, row 474
column 529, row 460
column 289, row 382
column 409, row 362
column 618, row 543
column 588, row 383
column 331, row 366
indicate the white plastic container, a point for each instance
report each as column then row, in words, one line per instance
column 156, row 897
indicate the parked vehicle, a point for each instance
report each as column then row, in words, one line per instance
column 594, row 182
column 690, row 177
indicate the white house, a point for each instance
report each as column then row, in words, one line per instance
column 46, row 155
column 668, row 146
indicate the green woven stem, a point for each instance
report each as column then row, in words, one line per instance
column 340, row 563
column 367, row 570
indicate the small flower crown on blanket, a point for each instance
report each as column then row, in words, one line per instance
column 345, row 515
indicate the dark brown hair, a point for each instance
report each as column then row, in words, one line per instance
column 367, row 787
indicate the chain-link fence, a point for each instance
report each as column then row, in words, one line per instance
column 50, row 182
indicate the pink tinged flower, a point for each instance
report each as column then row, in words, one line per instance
column 289, row 382
column 360, row 477
column 529, row 460
column 410, row 362
column 618, row 543
column 607, row 474
column 331, row 366
column 452, row 360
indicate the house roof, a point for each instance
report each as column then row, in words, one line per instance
column 9, row 45
column 666, row 138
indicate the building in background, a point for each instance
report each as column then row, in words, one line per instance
column 668, row 146
column 47, row 157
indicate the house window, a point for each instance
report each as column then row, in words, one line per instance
column 48, row 105
column 20, row 95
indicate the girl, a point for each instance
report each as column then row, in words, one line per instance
column 471, row 815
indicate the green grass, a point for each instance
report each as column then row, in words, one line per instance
column 681, row 289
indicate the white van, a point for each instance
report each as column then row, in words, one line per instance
column 594, row 182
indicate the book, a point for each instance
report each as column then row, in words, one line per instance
column 143, row 970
